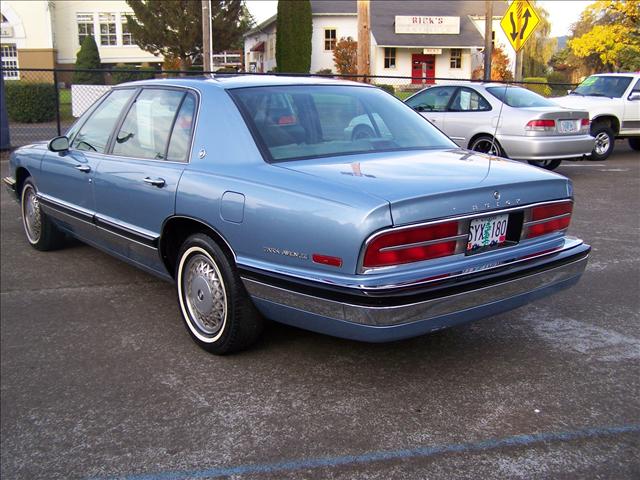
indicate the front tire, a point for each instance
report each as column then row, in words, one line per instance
column 215, row 306
column 634, row 143
column 605, row 141
column 40, row 231
column 546, row 164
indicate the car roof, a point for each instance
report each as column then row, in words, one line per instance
column 231, row 81
column 616, row 74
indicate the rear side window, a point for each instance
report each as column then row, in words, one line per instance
column 517, row 97
column 180, row 142
column 146, row 128
column 433, row 99
column 94, row 134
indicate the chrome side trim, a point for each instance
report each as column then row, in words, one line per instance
column 423, row 244
column 424, row 310
column 544, row 220
column 10, row 183
column 469, row 216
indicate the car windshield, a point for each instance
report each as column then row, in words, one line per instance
column 299, row 122
column 603, row 86
column 518, row 97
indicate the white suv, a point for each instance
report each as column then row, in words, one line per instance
column 613, row 102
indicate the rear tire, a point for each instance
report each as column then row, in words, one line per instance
column 40, row 231
column 215, row 306
column 487, row 144
column 546, row 164
column 634, row 143
column 605, row 141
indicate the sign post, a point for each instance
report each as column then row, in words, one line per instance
column 519, row 22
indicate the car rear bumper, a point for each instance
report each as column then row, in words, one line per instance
column 389, row 318
column 519, row 147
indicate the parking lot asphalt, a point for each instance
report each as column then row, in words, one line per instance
column 99, row 379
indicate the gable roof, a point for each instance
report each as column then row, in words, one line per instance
column 323, row 7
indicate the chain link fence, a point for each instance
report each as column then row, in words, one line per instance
column 44, row 103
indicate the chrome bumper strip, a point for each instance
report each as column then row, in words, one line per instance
column 10, row 183
column 423, row 310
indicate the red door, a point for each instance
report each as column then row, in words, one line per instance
column 423, row 66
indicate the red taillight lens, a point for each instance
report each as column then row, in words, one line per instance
column 327, row 260
column 541, row 125
column 584, row 122
column 558, row 215
column 411, row 245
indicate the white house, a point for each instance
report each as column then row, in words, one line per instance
column 442, row 39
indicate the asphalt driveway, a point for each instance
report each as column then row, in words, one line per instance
column 100, row 379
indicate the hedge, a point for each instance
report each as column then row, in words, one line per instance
column 544, row 90
column 30, row 102
column 130, row 73
column 387, row 88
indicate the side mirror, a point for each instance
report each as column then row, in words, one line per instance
column 59, row 144
column 569, row 92
column 634, row 96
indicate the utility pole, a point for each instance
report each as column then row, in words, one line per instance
column 206, row 36
column 364, row 38
column 519, row 62
column 488, row 37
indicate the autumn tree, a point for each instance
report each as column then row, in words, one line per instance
column 499, row 66
column 174, row 28
column 293, row 36
column 607, row 36
column 345, row 56
column 539, row 48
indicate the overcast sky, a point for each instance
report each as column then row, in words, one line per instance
column 562, row 13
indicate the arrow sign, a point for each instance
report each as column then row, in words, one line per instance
column 519, row 22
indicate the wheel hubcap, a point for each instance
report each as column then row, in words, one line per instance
column 31, row 215
column 205, row 295
column 602, row 143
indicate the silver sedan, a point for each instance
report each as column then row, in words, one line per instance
column 508, row 121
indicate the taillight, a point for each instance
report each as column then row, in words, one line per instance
column 541, row 125
column 584, row 122
column 549, row 218
column 412, row 245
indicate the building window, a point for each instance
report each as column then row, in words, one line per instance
column 456, row 58
column 389, row 57
column 127, row 39
column 108, row 29
column 329, row 38
column 85, row 26
column 9, row 55
column 493, row 38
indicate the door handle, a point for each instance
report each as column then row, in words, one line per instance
column 432, row 120
column 83, row 168
column 157, row 182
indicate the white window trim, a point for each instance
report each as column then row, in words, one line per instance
column 96, row 29
column 324, row 39
column 16, row 73
column 384, row 58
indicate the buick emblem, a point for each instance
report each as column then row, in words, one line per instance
column 496, row 195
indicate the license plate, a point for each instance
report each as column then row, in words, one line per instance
column 487, row 232
column 568, row 126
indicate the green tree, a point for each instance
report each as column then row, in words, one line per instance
column 607, row 36
column 293, row 37
column 88, row 58
column 539, row 48
column 174, row 28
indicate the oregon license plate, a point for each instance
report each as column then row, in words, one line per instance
column 568, row 126
column 487, row 232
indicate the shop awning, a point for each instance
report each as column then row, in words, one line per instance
column 258, row 47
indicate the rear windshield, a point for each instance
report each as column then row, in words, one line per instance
column 299, row 122
column 613, row 87
column 518, row 97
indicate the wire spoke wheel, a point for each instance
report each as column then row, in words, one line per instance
column 205, row 294
column 31, row 215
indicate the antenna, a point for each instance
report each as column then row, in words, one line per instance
column 495, row 131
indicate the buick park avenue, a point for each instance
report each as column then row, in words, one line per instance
column 246, row 192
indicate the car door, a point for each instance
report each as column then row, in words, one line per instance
column 135, row 185
column 631, row 119
column 466, row 113
column 66, row 183
column 432, row 103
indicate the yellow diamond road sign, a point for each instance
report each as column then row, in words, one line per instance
column 519, row 23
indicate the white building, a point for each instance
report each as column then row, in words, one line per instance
column 442, row 39
column 48, row 33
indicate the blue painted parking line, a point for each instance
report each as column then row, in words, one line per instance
column 419, row 452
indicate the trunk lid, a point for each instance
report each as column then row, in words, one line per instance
column 427, row 185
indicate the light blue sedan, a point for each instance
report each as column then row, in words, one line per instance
column 247, row 193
